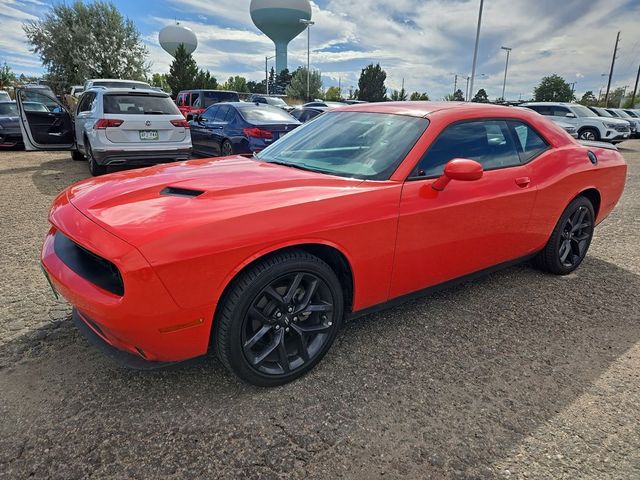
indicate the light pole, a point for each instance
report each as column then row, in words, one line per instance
column 506, row 65
column 266, row 72
column 475, row 51
column 308, row 23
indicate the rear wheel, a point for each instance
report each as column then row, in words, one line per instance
column 589, row 134
column 279, row 318
column 226, row 149
column 94, row 167
column 570, row 239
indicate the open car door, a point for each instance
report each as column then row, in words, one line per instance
column 45, row 122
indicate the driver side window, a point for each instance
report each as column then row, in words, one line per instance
column 488, row 142
column 210, row 113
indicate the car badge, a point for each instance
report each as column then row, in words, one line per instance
column 148, row 123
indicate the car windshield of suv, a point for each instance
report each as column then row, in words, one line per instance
column 623, row 114
column 211, row 98
column 632, row 114
column 582, row 111
column 602, row 112
column 139, row 104
column 349, row 144
column 8, row 109
column 265, row 114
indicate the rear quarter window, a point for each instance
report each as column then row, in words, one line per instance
column 136, row 104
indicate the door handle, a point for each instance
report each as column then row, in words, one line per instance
column 523, row 181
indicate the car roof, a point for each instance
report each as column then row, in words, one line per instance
column 115, row 80
column 206, row 90
column 110, row 91
column 424, row 109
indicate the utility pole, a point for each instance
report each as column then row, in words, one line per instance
column 613, row 62
column 466, row 96
column 308, row 23
column 455, row 83
column 635, row 89
column 506, row 65
column 573, row 88
column 475, row 51
column 266, row 72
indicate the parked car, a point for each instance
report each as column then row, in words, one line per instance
column 194, row 102
column 322, row 103
column 260, row 259
column 567, row 127
column 115, row 83
column 590, row 126
column 273, row 101
column 76, row 90
column 353, row 101
column 239, row 127
column 4, row 96
column 10, row 135
column 111, row 127
column 304, row 114
column 632, row 112
column 634, row 122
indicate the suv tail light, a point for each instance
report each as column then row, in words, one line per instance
column 106, row 123
column 180, row 123
column 257, row 133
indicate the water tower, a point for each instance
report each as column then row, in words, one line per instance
column 173, row 35
column 280, row 21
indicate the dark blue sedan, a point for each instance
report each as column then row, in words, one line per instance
column 238, row 127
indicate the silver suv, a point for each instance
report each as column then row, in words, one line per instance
column 589, row 125
column 111, row 127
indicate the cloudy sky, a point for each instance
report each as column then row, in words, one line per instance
column 424, row 42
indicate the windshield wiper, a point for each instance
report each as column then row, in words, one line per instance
column 154, row 112
column 293, row 165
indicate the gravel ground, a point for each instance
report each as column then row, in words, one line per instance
column 517, row 375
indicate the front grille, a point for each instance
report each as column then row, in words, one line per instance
column 621, row 128
column 88, row 265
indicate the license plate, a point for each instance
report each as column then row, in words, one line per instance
column 148, row 134
column 53, row 289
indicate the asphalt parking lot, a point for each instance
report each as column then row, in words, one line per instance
column 517, row 375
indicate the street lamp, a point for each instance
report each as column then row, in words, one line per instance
column 475, row 51
column 266, row 72
column 506, row 65
column 308, row 23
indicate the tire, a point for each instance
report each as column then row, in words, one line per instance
column 589, row 133
column 76, row 155
column 274, row 323
column 94, row 167
column 226, row 148
column 570, row 239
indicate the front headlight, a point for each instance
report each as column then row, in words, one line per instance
column 610, row 125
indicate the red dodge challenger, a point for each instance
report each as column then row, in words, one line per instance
column 261, row 258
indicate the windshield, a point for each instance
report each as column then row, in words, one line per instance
column 140, row 104
column 216, row 97
column 602, row 112
column 265, row 114
column 34, row 107
column 8, row 109
column 623, row 114
column 349, row 144
column 276, row 102
column 582, row 111
column 632, row 114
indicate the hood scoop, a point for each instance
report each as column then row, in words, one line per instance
column 180, row 192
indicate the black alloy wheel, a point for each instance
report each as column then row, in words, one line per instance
column 94, row 167
column 226, row 149
column 279, row 318
column 566, row 248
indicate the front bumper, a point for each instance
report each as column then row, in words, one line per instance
column 145, row 321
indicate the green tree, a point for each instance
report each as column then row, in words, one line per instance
column 7, row 77
column 553, row 89
column 417, row 96
column 256, row 87
column 272, row 80
column 458, row 96
column 615, row 97
column 182, row 72
column 481, row 96
column 236, row 84
column 87, row 40
column 333, row 94
column 588, row 99
column 204, row 79
column 399, row 96
column 298, row 86
column 282, row 81
column 160, row 80
column 371, row 86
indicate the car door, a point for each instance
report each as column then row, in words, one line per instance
column 201, row 136
column 560, row 113
column 468, row 226
column 46, row 129
column 217, row 128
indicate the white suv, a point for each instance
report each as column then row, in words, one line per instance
column 111, row 127
column 115, row 83
column 589, row 125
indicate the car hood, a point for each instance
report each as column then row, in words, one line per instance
column 618, row 121
column 9, row 122
column 140, row 205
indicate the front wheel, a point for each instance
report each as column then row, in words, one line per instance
column 590, row 134
column 226, row 149
column 279, row 318
column 570, row 239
